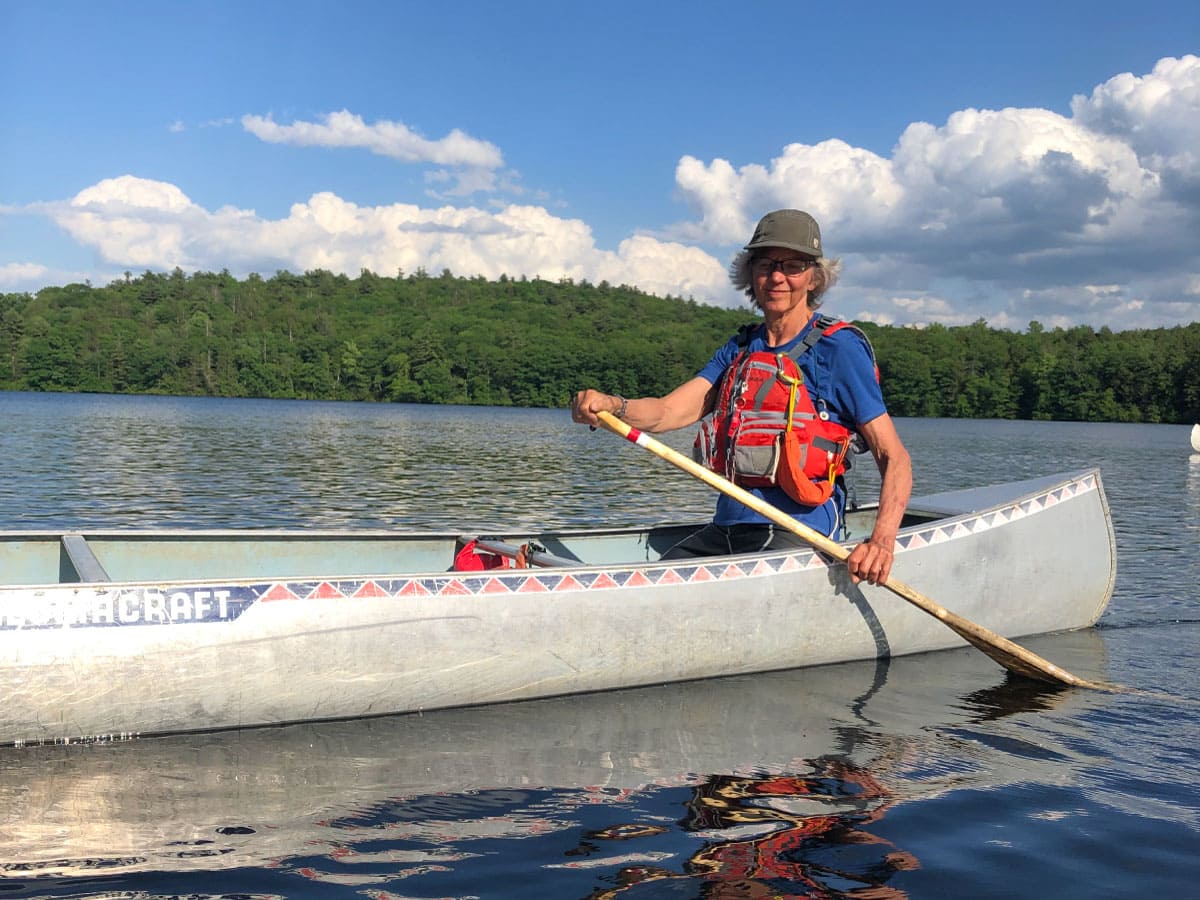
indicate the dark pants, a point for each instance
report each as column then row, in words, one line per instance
column 719, row 540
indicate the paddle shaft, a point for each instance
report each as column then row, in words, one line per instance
column 1008, row 654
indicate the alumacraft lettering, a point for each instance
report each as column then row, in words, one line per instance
column 140, row 606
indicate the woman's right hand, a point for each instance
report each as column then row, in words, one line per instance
column 585, row 405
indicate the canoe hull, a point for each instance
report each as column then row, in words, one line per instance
column 94, row 660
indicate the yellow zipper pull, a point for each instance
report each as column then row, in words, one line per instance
column 792, row 382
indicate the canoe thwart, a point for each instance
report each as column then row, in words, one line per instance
column 82, row 559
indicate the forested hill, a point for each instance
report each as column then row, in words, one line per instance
column 445, row 339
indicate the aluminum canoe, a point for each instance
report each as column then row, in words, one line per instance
column 106, row 634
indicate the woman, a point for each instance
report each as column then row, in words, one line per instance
column 804, row 356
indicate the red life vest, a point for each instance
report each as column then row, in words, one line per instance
column 765, row 430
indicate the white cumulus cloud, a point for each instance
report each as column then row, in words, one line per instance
column 14, row 276
column 392, row 139
column 139, row 223
column 1017, row 210
column 472, row 164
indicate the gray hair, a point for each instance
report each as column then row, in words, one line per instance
column 825, row 276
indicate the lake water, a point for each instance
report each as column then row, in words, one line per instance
column 925, row 776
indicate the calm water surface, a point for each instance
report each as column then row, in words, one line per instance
column 927, row 776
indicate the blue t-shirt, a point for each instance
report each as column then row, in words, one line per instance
column 839, row 372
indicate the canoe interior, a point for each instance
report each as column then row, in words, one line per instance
column 47, row 558
column 29, row 558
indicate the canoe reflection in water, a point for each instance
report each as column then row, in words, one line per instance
column 782, row 784
column 778, row 836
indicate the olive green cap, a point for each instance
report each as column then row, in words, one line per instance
column 792, row 229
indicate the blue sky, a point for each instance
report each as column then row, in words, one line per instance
column 1013, row 162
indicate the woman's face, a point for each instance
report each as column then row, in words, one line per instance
column 776, row 291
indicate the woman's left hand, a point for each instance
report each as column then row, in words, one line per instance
column 870, row 561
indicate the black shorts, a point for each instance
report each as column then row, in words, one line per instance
column 720, row 540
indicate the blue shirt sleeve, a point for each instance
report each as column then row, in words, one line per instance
column 721, row 360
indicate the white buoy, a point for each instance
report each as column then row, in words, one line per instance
column 1196, row 438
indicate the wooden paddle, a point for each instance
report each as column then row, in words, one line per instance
column 1011, row 656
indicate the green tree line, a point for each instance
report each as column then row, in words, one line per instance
column 531, row 342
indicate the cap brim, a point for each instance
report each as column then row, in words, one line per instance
column 799, row 248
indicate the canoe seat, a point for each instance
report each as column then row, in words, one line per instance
column 83, row 560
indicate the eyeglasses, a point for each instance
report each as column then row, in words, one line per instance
column 763, row 266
